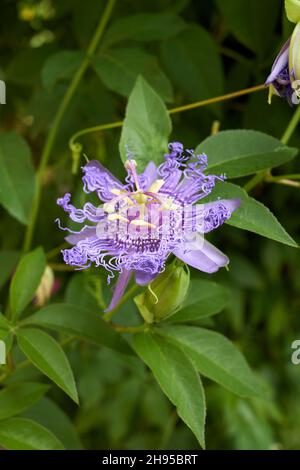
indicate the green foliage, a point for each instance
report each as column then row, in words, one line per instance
column 59, row 66
column 16, row 176
column 80, row 322
column 24, row 434
column 252, row 214
column 215, row 357
column 144, row 27
column 26, row 281
column 130, row 62
column 192, row 59
column 147, row 126
column 243, row 152
column 177, row 377
column 204, row 298
column 252, row 23
column 48, row 356
column 134, row 380
column 18, row 397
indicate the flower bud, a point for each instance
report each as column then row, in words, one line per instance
column 294, row 54
column 165, row 294
column 292, row 8
column 44, row 291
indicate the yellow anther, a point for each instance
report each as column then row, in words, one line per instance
column 109, row 208
column 156, row 185
column 116, row 191
column 112, row 217
column 142, row 223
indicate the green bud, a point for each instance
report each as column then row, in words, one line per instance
column 165, row 294
column 292, row 8
column 294, row 54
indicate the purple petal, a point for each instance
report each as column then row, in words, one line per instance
column 86, row 232
column 119, row 289
column 201, row 255
column 98, row 179
column 149, row 175
column 142, row 278
column 280, row 63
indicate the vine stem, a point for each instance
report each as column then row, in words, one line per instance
column 266, row 175
column 291, row 127
column 58, row 119
column 178, row 109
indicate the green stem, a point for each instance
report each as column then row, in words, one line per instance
column 61, row 267
column 294, row 176
column 291, row 127
column 131, row 329
column 58, row 119
column 179, row 109
column 56, row 251
column 254, row 181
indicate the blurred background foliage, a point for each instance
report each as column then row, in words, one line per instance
column 188, row 51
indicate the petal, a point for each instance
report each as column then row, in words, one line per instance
column 119, row 289
column 142, row 278
column 88, row 212
column 202, row 255
column 149, row 175
column 204, row 218
column 98, row 178
column 280, row 63
column 84, row 233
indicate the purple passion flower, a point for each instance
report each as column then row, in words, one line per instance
column 143, row 221
column 284, row 79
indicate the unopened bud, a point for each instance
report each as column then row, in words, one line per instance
column 45, row 288
column 292, row 8
column 165, row 294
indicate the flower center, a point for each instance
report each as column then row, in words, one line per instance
column 137, row 208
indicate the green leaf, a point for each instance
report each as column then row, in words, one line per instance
column 8, row 260
column 17, row 180
column 177, row 378
column 147, row 126
column 5, row 336
column 215, row 357
column 26, row 281
column 48, row 356
column 252, row 23
column 243, row 152
column 143, row 27
column 292, row 8
column 24, row 434
column 251, row 215
column 4, row 323
column 204, row 298
column 61, row 65
column 18, row 397
column 48, row 414
column 81, row 322
column 128, row 63
column 193, row 61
